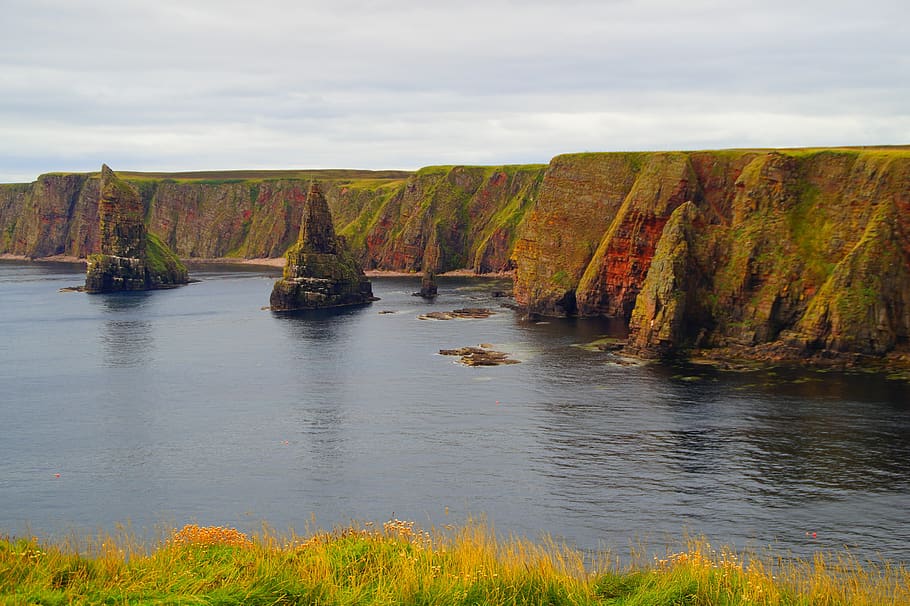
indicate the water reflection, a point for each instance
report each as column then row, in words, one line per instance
column 319, row 342
column 127, row 334
column 320, row 325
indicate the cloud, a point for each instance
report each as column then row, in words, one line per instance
column 180, row 85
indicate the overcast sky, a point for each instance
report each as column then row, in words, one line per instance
column 225, row 84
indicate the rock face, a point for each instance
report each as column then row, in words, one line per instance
column 320, row 270
column 130, row 257
column 798, row 253
column 662, row 321
column 446, row 218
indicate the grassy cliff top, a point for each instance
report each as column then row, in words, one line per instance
column 391, row 176
column 896, row 150
column 329, row 174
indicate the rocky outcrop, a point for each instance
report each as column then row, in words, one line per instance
column 320, row 271
column 480, row 356
column 864, row 306
column 130, row 258
column 791, row 253
column 668, row 308
column 614, row 276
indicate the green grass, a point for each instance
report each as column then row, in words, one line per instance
column 237, row 176
column 400, row 564
column 163, row 262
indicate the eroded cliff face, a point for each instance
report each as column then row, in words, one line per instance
column 448, row 218
column 579, row 197
column 804, row 249
column 443, row 217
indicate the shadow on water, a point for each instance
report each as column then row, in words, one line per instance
column 319, row 324
column 796, row 447
column 126, row 334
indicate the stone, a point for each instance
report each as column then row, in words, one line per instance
column 428, row 286
column 466, row 313
column 480, row 356
column 130, row 258
column 320, row 271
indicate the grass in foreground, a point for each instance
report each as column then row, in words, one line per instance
column 403, row 565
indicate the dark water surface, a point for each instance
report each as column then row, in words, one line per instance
column 195, row 405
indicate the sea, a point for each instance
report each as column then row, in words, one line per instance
column 152, row 410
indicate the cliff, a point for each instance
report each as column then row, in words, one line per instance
column 791, row 252
column 454, row 217
column 803, row 250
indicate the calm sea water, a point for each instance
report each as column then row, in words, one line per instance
column 195, row 405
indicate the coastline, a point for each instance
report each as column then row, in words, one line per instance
column 51, row 259
column 270, row 262
column 726, row 358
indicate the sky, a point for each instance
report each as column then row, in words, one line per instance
column 177, row 85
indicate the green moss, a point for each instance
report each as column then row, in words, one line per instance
column 164, row 266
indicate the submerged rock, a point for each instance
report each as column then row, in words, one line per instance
column 480, row 356
column 320, row 271
column 130, row 258
column 466, row 313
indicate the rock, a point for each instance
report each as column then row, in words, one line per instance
column 467, row 313
column 864, row 307
column 130, row 258
column 428, row 287
column 320, row 271
column 479, row 356
column 661, row 323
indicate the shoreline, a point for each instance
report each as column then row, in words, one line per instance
column 269, row 262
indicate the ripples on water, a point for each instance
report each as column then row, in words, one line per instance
column 195, row 405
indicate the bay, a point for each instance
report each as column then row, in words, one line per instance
column 196, row 405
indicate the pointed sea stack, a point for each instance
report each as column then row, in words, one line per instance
column 130, row 257
column 320, row 271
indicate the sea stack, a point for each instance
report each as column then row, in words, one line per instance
column 428, row 286
column 320, row 271
column 130, row 258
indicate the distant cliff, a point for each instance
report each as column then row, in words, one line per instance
column 456, row 217
column 796, row 251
